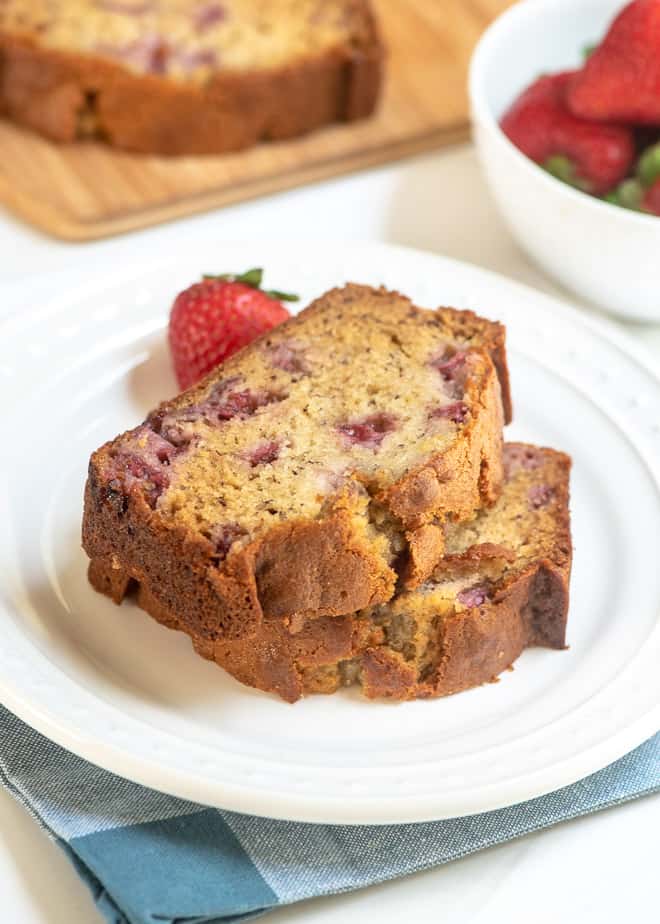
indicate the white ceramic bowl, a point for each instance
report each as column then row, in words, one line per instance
column 606, row 254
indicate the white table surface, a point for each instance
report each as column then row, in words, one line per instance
column 597, row 869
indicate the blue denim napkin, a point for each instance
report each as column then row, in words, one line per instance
column 153, row 859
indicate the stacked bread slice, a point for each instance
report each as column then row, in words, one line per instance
column 335, row 505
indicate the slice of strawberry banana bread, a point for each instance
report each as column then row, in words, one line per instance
column 502, row 586
column 309, row 473
column 187, row 76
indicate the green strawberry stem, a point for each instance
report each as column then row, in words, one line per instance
column 648, row 166
column 282, row 296
column 563, row 168
column 254, row 278
column 628, row 195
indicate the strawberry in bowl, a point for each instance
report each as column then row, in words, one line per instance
column 597, row 127
column 593, row 156
column 596, row 232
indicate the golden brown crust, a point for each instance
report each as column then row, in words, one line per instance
column 67, row 96
column 319, row 569
column 425, row 548
column 173, row 565
column 309, row 568
column 479, row 644
column 109, row 578
column 492, row 336
column 445, row 485
column 473, row 559
column 476, row 645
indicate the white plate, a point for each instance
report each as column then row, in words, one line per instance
column 113, row 686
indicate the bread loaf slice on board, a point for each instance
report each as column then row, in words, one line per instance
column 187, row 76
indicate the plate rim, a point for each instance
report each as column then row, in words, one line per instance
column 299, row 806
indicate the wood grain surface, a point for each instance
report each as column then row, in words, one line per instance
column 86, row 191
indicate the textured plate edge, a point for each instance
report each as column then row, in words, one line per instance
column 306, row 809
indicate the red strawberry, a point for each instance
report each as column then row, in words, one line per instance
column 216, row 317
column 593, row 157
column 620, row 82
column 651, row 200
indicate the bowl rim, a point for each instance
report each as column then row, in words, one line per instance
column 481, row 111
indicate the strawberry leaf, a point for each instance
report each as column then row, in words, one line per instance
column 254, row 278
column 282, row 296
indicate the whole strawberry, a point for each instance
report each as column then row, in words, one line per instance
column 593, row 157
column 218, row 316
column 620, row 81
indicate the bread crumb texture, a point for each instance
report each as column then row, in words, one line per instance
column 325, row 413
column 502, row 587
column 188, row 40
column 313, row 472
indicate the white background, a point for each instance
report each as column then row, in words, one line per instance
column 597, row 869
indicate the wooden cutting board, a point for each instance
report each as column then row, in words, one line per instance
column 87, row 191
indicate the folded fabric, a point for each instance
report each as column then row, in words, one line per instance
column 148, row 857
